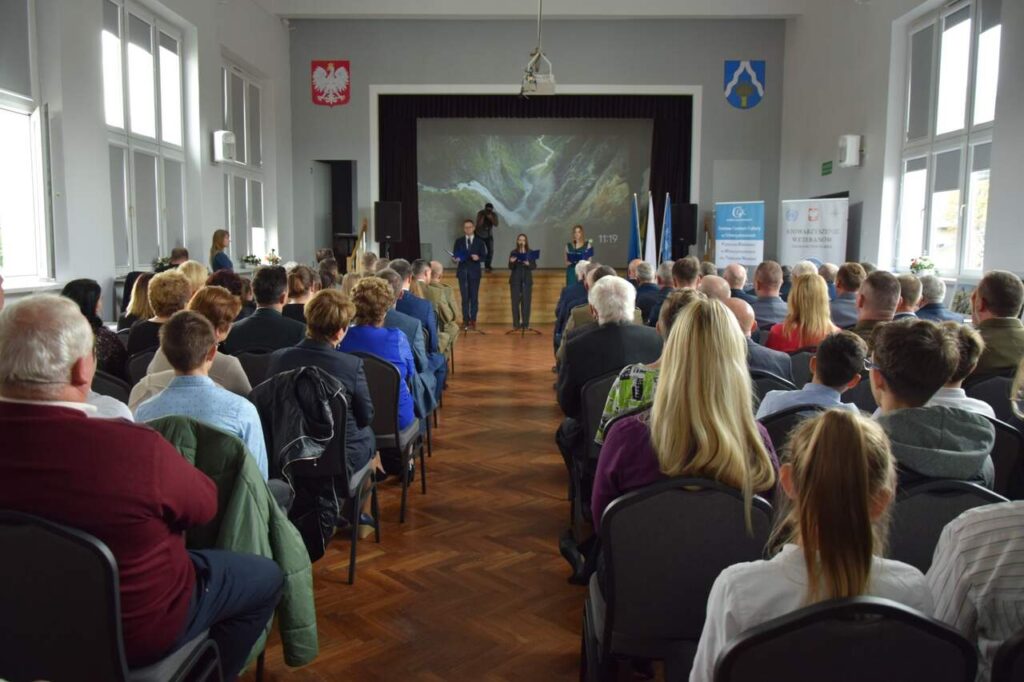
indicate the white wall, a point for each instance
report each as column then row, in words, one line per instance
column 670, row 52
column 71, row 85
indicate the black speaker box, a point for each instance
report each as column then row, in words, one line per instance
column 684, row 229
column 387, row 217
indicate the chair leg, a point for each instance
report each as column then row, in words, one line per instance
column 260, row 663
column 354, row 523
column 375, row 510
column 405, row 489
column 440, row 404
column 423, row 471
column 430, row 447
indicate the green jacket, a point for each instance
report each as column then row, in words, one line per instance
column 249, row 521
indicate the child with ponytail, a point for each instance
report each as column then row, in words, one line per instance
column 839, row 480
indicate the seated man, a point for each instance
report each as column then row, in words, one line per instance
column 190, row 345
column 685, row 275
column 572, row 295
column 759, row 357
column 844, row 306
column 829, row 272
column 876, row 303
column 663, row 278
column 952, row 394
column 736, row 275
column 911, row 361
column 646, row 289
column 421, row 274
column 910, row 296
column 127, row 486
column 975, row 577
column 933, row 296
column 421, row 310
column 267, row 328
column 425, row 391
column 995, row 309
column 715, row 287
column 836, row 367
column 769, row 308
column 445, row 297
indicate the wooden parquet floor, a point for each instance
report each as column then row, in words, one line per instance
column 472, row 586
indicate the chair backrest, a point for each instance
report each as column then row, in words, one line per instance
column 109, row 385
column 848, row 640
column 384, row 382
column 663, row 546
column 593, row 396
column 861, row 396
column 1008, row 664
column 255, row 366
column 996, row 392
column 802, row 366
column 122, row 336
column 138, row 364
column 60, row 603
column 921, row 512
column 1008, row 459
column 780, row 424
column 766, row 381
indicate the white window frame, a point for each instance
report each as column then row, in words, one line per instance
column 243, row 245
column 964, row 139
column 136, row 142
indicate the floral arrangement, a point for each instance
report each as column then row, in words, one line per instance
column 251, row 260
column 923, row 265
column 273, row 258
column 161, row 264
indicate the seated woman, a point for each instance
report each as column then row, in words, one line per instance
column 138, row 304
column 220, row 307
column 809, row 319
column 839, row 480
column 373, row 298
column 111, row 356
column 701, row 423
column 302, row 284
column 634, row 388
column 328, row 314
column 169, row 292
column 196, row 272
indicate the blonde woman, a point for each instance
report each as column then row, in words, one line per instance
column 809, row 319
column 196, row 272
column 138, row 304
column 839, row 480
column 348, row 282
column 701, row 423
column 169, row 292
column 219, row 259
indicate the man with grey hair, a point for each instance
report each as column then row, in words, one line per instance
column 828, row 272
column 444, row 297
column 736, row 275
column 646, row 289
column 124, row 484
column 804, row 267
column 631, row 273
column 572, row 295
column 715, row 287
column 933, row 301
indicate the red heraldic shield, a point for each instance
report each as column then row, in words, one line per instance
column 330, row 82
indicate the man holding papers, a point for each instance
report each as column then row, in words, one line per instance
column 469, row 252
column 522, row 261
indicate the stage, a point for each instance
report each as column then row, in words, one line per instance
column 496, row 301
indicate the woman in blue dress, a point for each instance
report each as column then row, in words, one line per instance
column 219, row 260
column 575, row 251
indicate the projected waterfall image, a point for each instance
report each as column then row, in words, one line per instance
column 542, row 175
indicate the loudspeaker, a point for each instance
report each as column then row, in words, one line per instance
column 684, row 229
column 387, row 219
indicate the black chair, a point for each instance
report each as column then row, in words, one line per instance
column 138, row 364
column 1008, row 664
column 109, row 385
column 255, row 365
column 384, row 382
column 61, row 608
column 1008, row 458
column 766, row 381
column 922, row 510
column 802, row 366
column 780, row 424
column 593, row 396
column 663, row 547
column 849, row 640
column 996, row 392
column 861, row 396
column 122, row 336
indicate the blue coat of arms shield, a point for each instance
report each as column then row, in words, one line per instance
column 744, row 82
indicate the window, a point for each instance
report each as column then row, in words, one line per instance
column 952, row 72
column 142, row 97
column 243, row 179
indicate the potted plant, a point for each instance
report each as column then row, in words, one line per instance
column 251, row 260
column 923, row 265
column 273, row 258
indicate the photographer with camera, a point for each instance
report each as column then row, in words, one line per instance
column 487, row 220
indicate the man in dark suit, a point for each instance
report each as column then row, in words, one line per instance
column 685, row 275
column 843, row 307
column 646, row 289
column 419, row 308
column 759, row 357
column 424, row 389
column 933, row 296
column 469, row 251
column 267, row 328
column 573, row 295
column 663, row 278
column 736, row 275
column 769, row 307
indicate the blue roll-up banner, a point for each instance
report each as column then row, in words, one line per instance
column 739, row 233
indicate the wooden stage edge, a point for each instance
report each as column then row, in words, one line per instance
column 496, row 299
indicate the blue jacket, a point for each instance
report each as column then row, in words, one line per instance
column 768, row 360
column 391, row 345
column 646, row 298
column 414, row 306
column 937, row 312
column 424, row 383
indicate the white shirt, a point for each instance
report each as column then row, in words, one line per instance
column 977, row 577
column 752, row 593
column 957, row 397
column 89, row 410
column 108, row 408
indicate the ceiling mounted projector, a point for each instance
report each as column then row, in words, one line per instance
column 535, row 81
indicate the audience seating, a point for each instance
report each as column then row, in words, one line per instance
column 861, row 396
column 138, row 364
column 255, row 366
column 383, row 379
column 996, row 392
column 663, row 547
column 766, row 381
column 122, row 336
column 922, row 510
column 802, row 366
column 850, row 640
column 1008, row 664
column 1008, row 458
column 62, row 611
column 593, row 396
column 781, row 423
column 111, row 386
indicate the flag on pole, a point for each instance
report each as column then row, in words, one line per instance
column 634, row 232
column 666, row 231
column 650, row 250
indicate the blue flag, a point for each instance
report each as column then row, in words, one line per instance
column 666, row 231
column 634, row 232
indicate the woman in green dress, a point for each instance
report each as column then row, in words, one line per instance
column 575, row 251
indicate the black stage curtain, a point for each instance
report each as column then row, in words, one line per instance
column 670, row 149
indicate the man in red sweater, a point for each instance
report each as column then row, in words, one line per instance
column 124, row 484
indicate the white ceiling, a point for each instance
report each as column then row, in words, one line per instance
column 527, row 9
